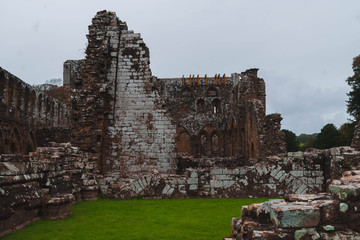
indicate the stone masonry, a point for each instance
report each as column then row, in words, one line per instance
column 43, row 184
column 134, row 123
column 333, row 215
column 27, row 114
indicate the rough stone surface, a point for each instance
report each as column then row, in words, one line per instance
column 326, row 216
column 134, row 122
column 43, row 184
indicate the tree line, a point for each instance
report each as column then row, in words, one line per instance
column 329, row 135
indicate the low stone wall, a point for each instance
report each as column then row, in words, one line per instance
column 43, row 184
column 48, row 181
column 298, row 173
column 322, row 216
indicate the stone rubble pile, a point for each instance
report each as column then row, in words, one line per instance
column 333, row 215
column 43, row 184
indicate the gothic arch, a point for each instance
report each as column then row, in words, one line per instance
column 183, row 141
column 215, row 144
column 216, row 106
column 203, row 143
column 200, row 106
column 15, row 142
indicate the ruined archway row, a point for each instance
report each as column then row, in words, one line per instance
column 16, row 140
column 210, row 141
column 26, row 104
column 26, row 111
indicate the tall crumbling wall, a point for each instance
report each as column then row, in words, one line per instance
column 117, row 114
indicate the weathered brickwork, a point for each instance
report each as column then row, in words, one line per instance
column 297, row 173
column 24, row 112
column 335, row 215
column 117, row 115
column 134, row 122
column 72, row 68
column 218, row 116
column 43, row 184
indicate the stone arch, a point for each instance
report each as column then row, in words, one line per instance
column 211, row 92
column 15, row 142
column 2, row 142
column 205, row 140
column 200, row 106
column 215, row 144
column 183, row 141
column 203, row 143
column 216, row 106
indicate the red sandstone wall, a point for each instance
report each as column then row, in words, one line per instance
column 24, row 111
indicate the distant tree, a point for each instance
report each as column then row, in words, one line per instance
column 292, row 144
column 346, row 133
column 353, row 104
column 328, row 137
column 308, row 144
column 303, row 138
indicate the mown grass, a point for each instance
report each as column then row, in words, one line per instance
column 141, row 220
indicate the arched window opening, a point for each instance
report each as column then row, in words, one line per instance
column 184, row 143
column 203, row 145
column 216, row 106
column 215, row 145
column 200, row 106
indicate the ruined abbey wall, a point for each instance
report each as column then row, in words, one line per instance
column 133, row 134
column 26, row 114
column 134, row 122
column 117, row 115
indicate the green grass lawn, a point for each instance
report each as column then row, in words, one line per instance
column 141, row 219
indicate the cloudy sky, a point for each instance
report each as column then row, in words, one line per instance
column 304, row 48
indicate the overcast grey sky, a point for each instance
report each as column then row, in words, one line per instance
column 303, row 48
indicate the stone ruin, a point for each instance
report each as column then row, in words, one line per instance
column 128, row 133
column 332, row 215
